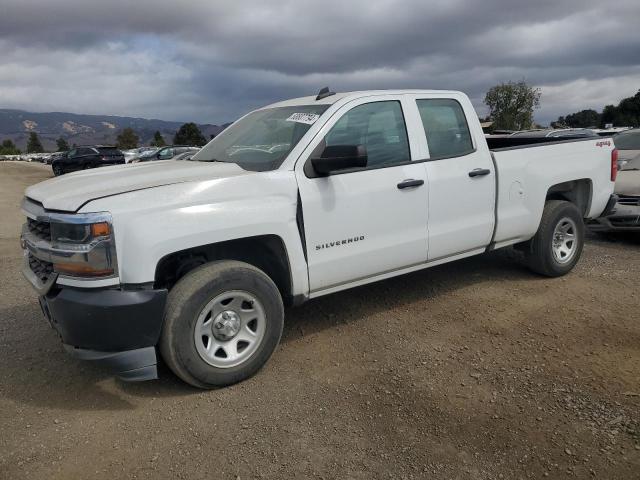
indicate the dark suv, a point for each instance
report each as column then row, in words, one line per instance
column 81, row 158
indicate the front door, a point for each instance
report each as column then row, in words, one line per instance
column 372, row 220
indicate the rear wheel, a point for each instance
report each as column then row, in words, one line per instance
column 558, row 243
column 222, row 323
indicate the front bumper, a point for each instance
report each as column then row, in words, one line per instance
column 115, row 328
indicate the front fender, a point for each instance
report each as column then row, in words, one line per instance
column 151, row 224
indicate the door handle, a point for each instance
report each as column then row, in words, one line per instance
column 479, row 172
column 410, row 183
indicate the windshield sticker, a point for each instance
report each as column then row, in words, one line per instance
column 308, row 118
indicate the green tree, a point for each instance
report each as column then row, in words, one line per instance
column 34, row 145
column 582, row 119
column 158, row 140
column 511, row 105
column 625, row 114
column 62, row 144
column 189, row 134
column 127, row 139
column 9, row 148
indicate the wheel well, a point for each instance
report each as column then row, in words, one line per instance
column 577, row 192
column 266, row 252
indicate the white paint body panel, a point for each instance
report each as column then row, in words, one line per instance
column 461, row 208
column 150, row 224
column 163, row 207
column 69, row 192
column 525, row 175
column 390, row 224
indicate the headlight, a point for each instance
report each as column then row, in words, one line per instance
column 65, row 234
column 83, row 245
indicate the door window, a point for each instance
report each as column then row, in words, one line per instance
column 380, row 127
column 445, row 126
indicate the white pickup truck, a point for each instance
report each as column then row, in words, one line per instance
column 293, row 201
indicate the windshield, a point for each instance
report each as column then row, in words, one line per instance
column 263, row 139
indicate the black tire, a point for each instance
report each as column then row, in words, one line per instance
column 57, row 170
column 184, row 304
column 540, row 252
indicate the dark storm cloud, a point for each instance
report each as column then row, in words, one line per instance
column 212, row 60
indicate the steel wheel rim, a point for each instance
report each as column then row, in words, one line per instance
column 564, row 242
column 243, row 321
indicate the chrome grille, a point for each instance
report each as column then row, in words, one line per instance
column 629, row 200
column 42, row 230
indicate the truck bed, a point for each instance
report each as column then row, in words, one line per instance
column 525, row 173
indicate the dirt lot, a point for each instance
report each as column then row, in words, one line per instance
column 476, row 369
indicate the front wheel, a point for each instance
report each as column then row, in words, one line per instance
column 57, row 170
column 558, row 243
column 222, row 323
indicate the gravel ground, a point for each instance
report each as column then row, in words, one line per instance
column 473, row 370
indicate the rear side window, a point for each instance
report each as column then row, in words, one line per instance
column 445, row 126
column 109, row 151
column 380, row 127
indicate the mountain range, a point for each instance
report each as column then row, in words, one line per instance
column 82, row 129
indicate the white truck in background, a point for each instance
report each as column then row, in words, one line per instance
column 299, row 199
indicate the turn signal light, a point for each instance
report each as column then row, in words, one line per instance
column 614, row 164
column 81, row 270
column 100, row 229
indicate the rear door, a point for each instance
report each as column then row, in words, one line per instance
column 461, row 178
column 82, row 157
column 369, row 221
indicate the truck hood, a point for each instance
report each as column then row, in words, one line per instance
column 69, row 192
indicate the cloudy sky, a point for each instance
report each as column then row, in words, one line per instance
column 211, row 60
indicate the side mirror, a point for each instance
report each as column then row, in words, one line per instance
column 339, row 157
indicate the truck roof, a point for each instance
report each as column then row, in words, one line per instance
column 311, row 100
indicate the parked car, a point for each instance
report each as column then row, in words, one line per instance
column 85, row 157
column 54, row 156
column 136, row 152
column 186, row 155
column 556, row 133
column 197, row 259
column 166, row 153
column 626, row 215
column 144, row 155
